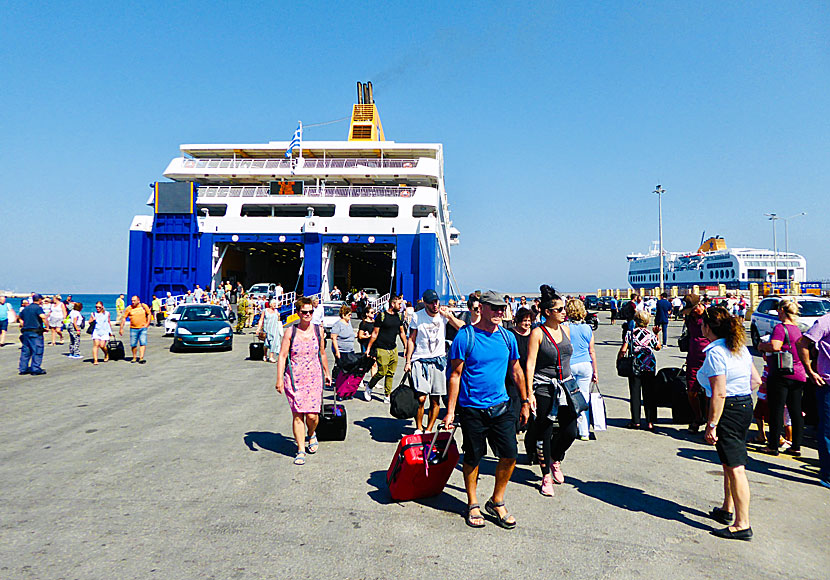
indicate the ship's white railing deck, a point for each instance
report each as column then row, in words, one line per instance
column 309, row 191
column 312, row 163
column 285, row 302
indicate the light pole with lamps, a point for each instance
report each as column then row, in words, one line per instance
column 773, row 217
column 660, row 191
column 787, row 237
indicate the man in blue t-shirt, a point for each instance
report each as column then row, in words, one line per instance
column 661, row 316
column 32, row 324
column 480, row 358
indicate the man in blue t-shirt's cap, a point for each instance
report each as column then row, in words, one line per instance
column 480, row 358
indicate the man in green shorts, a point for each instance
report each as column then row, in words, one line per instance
column 388, row 327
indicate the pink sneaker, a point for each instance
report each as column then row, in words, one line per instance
column 547, row 485
column 556, row 471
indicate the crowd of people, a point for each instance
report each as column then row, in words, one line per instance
column 505, row 365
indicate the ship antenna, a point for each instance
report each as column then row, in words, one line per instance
column 702, row 237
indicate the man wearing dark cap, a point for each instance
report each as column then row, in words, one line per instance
column 480, row 358
column 693, row 312
column 32, row 326
column 426, row 356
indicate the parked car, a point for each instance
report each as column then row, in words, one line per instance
column 202, row 326
column 592, row 302
column 765, row 317
column 262, row 290
column 371, row 294
column 331, row 314
column 173, row 319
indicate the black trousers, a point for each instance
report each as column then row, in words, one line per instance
column 781, row 391
column 553, row 446
column 646, row 383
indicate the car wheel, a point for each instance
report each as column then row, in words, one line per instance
column 754, row 336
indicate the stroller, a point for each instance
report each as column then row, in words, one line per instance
column 350, row 372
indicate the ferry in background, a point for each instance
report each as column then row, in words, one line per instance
column 713, row 264
column 359, row 213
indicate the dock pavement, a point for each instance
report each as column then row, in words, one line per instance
column 182, row 468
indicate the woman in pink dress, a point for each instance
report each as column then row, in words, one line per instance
column 302, row 370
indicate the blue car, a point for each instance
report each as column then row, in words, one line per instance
column 203, row 326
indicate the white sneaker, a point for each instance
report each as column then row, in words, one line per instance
column 418, row 432
column 367, row 393
column 385, row 399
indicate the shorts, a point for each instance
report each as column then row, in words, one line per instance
column 480, row 427
column 4, row 325
column 613, row 315
column 138, row 336
column 55, row 322
column 732, row 430
column 435, row 381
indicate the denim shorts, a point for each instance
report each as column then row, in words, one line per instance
column 4, row 325
column 138, row 336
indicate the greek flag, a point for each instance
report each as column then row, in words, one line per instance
column 297, row 141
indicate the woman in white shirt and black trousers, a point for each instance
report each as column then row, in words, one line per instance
column 728, row 376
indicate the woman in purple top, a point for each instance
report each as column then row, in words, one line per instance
column 693, row 311
column 783, row 388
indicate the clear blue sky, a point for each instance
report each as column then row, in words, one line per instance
column 558, row 120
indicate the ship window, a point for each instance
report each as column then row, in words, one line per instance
column 373, row 210
column 711, row 275
column 674, row 277
column 301, row 210
column 212, row 209
column 252, row 210
column 733, row 273
column 420, row 211
column 701, row 275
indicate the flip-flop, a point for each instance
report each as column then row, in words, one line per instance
column 491, row 506
column 300, row 458
column 313, row 444
column 469, row 518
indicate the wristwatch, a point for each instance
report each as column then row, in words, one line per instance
column 526, row 402
column 713, row 425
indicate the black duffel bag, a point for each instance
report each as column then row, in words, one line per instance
column 404, row 399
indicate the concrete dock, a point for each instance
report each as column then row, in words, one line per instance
column 182, row 468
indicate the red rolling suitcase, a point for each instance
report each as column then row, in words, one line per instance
column 411, row 476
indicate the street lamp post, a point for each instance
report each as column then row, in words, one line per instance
column 660, row 191
column 773, row 217
column 787, row 237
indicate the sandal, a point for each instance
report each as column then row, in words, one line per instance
column 300, row 458
column 471, row 519
column 313, row 444
column 504, row 522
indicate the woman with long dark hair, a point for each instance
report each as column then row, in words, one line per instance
column 549, row 353
column 728, row 376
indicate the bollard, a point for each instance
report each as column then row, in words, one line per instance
column 673, row 291
column 754, row 299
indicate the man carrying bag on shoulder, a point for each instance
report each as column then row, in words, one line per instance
column 480, row 357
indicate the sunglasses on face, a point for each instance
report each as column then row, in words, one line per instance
column 498, row 309
column 434, row 302
column 476, row 309
column 306, row 311
column 560, row 309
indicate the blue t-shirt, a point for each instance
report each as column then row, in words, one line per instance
column 482, row 382
column 662, row 311
column 4, row 311
column 581, row 335
column 31, row 317
column 613, row 304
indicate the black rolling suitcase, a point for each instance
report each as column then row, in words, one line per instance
column 681, row 410
column 256, row 351
column 666, row 385
column 333, row 423
column 116, row 349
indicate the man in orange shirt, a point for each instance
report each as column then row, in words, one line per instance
column 139, row 314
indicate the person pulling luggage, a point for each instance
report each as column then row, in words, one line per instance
column 480, row 357
column 426, row 356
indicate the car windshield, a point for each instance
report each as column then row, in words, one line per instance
column 812, row 308
column 370, row 290
column 204, row 313
column 258, row 289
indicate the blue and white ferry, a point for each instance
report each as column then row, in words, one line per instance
column 713, row 264
column 311, row 215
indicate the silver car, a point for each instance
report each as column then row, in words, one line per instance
column 765, row 317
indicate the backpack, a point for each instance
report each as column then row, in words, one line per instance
column 627, row 310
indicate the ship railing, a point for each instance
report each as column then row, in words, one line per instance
column 378, row 302
column 282, row 163
column 218, row 191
